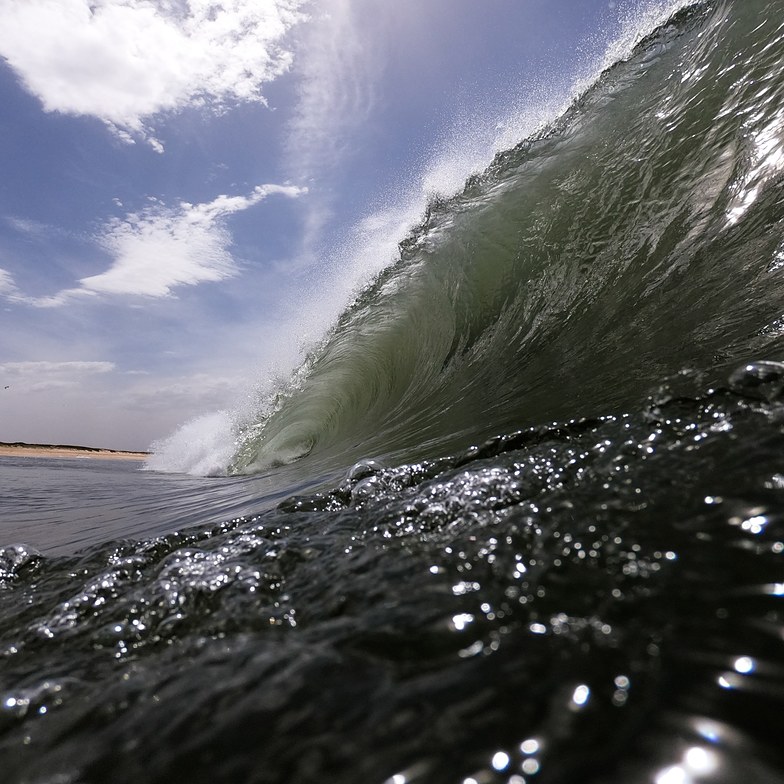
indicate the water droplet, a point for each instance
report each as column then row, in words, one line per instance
column 15, row 558
column 581, row 695
column 622, row 682
column 763, row 380
column 459, row 622
column 530, row 766
column 363, row 470
column 673, row 775
column 529, row 746
column 699, row 761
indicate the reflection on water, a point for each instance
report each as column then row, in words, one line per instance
column 62, row 505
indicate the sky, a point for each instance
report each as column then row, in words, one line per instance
column 190, row 190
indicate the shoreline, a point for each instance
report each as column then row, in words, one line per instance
column 65, row 451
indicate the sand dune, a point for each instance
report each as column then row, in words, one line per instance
column 20, row 449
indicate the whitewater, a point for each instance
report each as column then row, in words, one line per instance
column 517, row 517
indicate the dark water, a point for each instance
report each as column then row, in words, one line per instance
column 595, row 596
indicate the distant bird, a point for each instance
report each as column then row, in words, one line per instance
column 7, row 386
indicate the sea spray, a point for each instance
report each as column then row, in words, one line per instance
column 202, row 446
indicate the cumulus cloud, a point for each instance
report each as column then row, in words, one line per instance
column 161, row 248
column 124, row 61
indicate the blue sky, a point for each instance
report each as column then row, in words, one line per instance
column 191, row 189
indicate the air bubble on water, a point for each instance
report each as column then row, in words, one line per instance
column 763, row 380
column 362, row 470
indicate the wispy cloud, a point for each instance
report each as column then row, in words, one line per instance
column 34, row 376
column 338, row 66
column 161, row 248
column 7, row 285
column 339, row 63
column 195, row 391
column 34, row 367
column 124, row 62
column 26, row 226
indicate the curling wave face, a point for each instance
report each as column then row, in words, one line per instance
column 636, row 235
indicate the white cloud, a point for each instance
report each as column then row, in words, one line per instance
column 124, row 61
column 35, row 376
column 7, row 285
column 27, row 226
column 339, row 65
column 35, row 367
column 160, row 248
column 195, row 391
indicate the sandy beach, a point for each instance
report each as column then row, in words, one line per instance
column 66, row 451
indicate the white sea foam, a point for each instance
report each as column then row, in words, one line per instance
column 203, row 447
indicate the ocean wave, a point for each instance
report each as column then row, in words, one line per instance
column 618, row 244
